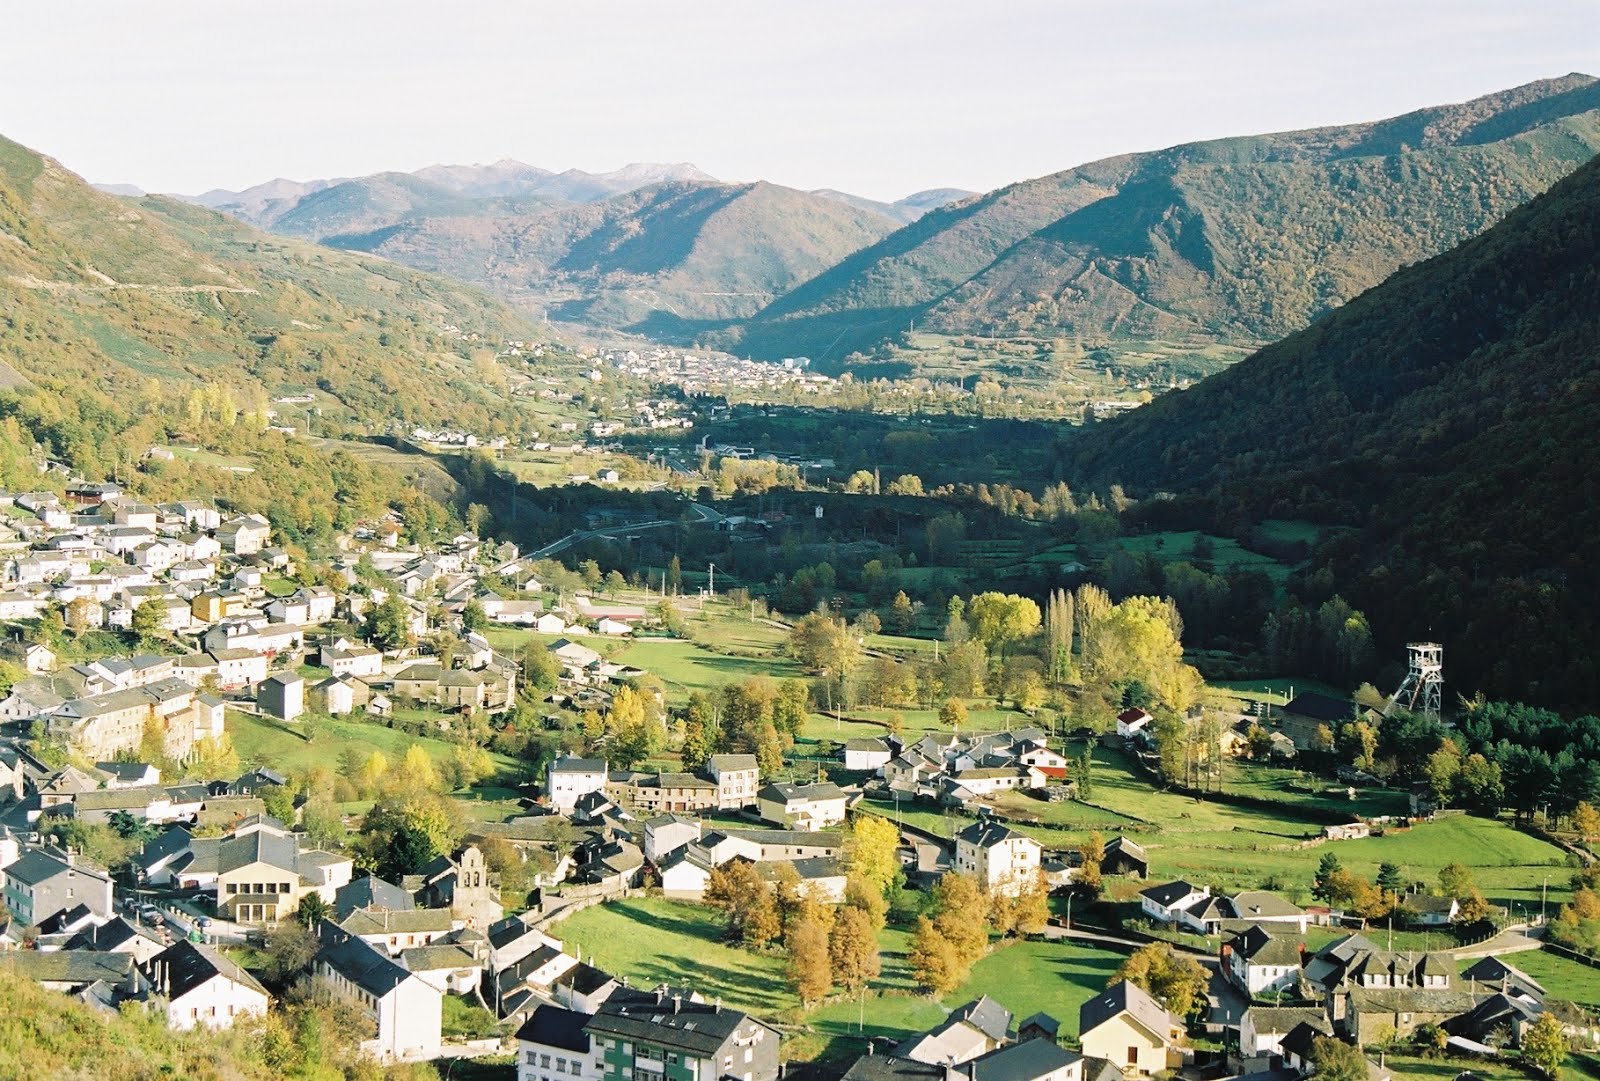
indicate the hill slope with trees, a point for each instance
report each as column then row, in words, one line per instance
column 1235, row 241
column 1449, row 415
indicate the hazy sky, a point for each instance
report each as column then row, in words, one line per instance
column 880, row 98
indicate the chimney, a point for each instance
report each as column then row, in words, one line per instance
column 717, row 1006
column 677, row 1001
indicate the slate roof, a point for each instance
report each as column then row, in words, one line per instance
column 584, row 979
column 382, row 921
column 67, row 966
column 1320, row 707
column 185, row 965
column 698, row 1027
column 787, row 792
column 364, row 966
column 569, row 764
column 1168, row 893
column 986, row 1015
column 986, row 833
column 1259, row 947
column 1124, row 997
column 893, row 1068
column 1021, row 1061
column 553, row 1026
column 1492, row 970
column 1285, row 1018
column 1257, row 904
column 370, row 891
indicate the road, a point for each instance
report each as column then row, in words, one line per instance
column 705, row 515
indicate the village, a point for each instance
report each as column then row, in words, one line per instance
column 180, row 682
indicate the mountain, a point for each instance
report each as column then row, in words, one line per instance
column 1448, row 415
column 904, row 210
column 654, row 259
column 313, row 214
column 1234, row 241
column 127, row 325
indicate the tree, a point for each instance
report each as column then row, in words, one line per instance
column 871, row 851
column 853, row 948
column 1326, row 869
column 935, row 963
column 810, row 967
column 1000, row 618
column 1175, row 980
column 1390, row 880
column 389, row 624
column 149, row 621
column 1260, row 741
column 675, row 575
column 1544, row 1045
column 290, row 949
column 901, row 613
column 1455, row 879
column 312, row 910
column 1031, row 913
column 1335, row 1060
column 953, row 714
column 736, row 890
column 615, row 583
column 473, row 617
column 1586, row 821
column 962, row 915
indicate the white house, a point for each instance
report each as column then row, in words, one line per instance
column 1132, row 721
column 614, row 627
column 1259, row 962
column 405, row 1008
column 1163, row 903
column 554, row 1046
column 352, row 659
column 867, row 753
column 1262, row 1029
column 737, row 776
column 202, row 987
column 568, row 778
column 812, row 806
column 665, row 834
column 1001, row 859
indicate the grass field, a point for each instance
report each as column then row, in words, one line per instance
column 1173, row 547
column 1562, row 977
column 654, row 941
column 264, row 741
column 685, row 666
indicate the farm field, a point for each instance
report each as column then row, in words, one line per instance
column 654, row 941
column 264, row 740
column 686, row 667
column 1563, row 977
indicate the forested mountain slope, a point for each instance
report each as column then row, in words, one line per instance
column 1236, row 241
column 1450, row 415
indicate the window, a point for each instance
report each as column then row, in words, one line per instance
column 544, row 1062
column 561, row 1065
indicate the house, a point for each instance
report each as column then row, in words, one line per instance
column 352, row 659
column 394, row 931
column 1165, row 902
column 1131, row 1030
column 1432, row 911
column 613, row 627
column 339, row 695
column 867, row 754
column 1258, row 961
column 822, row 878
column 550, row 623
column 117, row 935
column 245, row 535
column 568, row 777
column 639, row 1034
column 260, row 876
column 74, row 972
column 238, row 668
column 1263, row 906
column 282, row 695
column 666, row 834
column 288, row 610
column 1124, row 857
column 44, row 881
column 737, row 777
column 201, row 987
column 1132, row 721
column 971, row 1030
column 553, row 1046
column 461, row 688
column 811, row 806
column 1347, row 831
column 419, row 682
column 1262, row 1029
column 1495, row 974
column 685, row 873
column 1309, row 711
column 34, row 657
column 370, row 892
column 1037, row 1059
column 1001, row 859
column 406, row 1010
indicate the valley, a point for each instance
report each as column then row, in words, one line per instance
column 490, row 621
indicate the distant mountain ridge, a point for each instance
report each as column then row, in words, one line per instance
column 649, row 247
column 1235, row 240
column 1446, row 418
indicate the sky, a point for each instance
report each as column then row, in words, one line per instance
column 876, row 97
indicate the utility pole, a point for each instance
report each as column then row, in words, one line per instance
column 711, row 584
